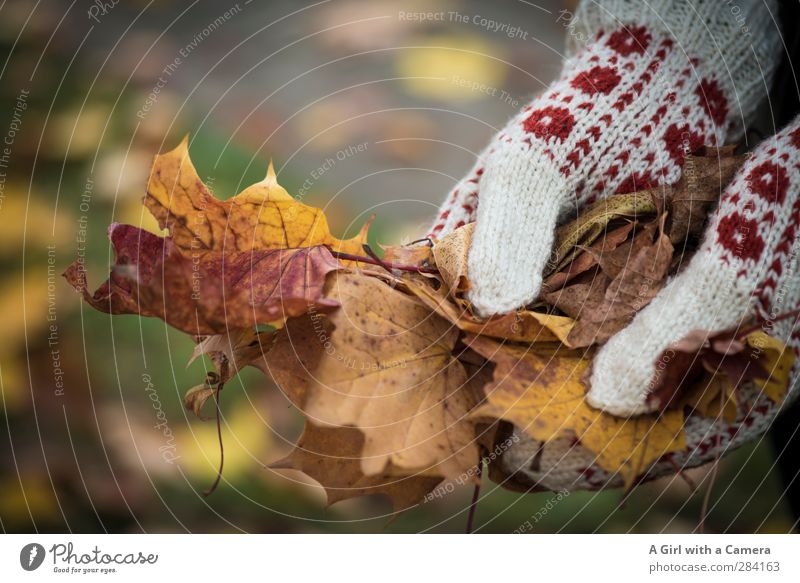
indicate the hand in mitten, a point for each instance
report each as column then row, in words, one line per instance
column 746, row 269
column 657, row 80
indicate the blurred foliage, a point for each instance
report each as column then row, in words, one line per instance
column 95, row 456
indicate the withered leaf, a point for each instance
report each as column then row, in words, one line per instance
column 297, row 351
column 588, row 259
column 521, row 326
column 412, row 255
column 704, row 369
column 196, row 397
column 390, row 372
column 263, row 216
column 332, row 457
column 592, row 223
column 542, row 391
column 631, row 275
column 210, row 292
column 235, row 349
column 451, row 255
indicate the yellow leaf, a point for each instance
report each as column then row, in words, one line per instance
column 777, row 360
column 263, row 216
column 708, row 401
column 542, row 391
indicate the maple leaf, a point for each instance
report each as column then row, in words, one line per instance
column 263, row 216
column 210, row 292
column 296, row 354
column 332, row 457
column 542, row 391
column 390, row 372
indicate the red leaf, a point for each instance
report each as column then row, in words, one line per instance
column 207, row 292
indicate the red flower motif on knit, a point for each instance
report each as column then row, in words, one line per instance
column 713, row 100
column 548, row 122
column 769, row 181
column 739, row 235
column 597, row 80
column 631, row 40
column 795, row 138
column 680, row 140
column 636, row 182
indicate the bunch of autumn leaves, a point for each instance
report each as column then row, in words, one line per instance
column 402, row 386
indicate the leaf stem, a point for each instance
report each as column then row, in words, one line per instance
column 214, row 485
column 385, row 264
column 476, row 492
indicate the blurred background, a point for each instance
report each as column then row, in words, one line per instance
column 363, row 110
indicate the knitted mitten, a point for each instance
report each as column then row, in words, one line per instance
column 739, row 272
column 748, row 266
column 657, row 80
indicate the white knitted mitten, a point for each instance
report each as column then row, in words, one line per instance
column 744, row 269
column 657, row 80
column 749, row 265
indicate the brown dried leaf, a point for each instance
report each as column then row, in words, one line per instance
column 332, row 457
column 232, row 351
column 196, row 397
column 588, row 258
column 411, row 255
column 631, row 276
column 297, row 351
column 521, row 326
column 390, row 372
column 451, row 255
column 584, row 230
